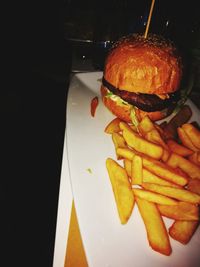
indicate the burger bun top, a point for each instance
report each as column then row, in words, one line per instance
column 149, row 65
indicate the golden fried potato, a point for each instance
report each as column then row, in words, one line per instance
column 154, row 136
column 170, row 128
column 118, row 141
column 194, row 186
column 147, row 176
column 151, row 131
column 182, row 211
column 184, row 164
column 122, row 189
column 125, row 153
column 154, row 197
column 178, row 148
column 182, row 231
column 177, row 193
column 166, row 154
column 145, row 126
column 138, row 143
column 193, row 133
column 127, row 166
column 113, row 126
column 195, row 158
column 156, row 231
column 136, row 170
column 164, row 171
column 185, row 140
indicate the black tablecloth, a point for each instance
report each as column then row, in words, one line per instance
column 33, row 117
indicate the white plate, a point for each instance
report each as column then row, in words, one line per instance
column 64, row 212
column 106, row 241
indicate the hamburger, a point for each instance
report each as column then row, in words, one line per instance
column 142, row 76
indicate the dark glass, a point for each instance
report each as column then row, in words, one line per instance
column 101, row 23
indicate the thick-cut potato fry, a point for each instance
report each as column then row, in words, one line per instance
column 150, row 132
column 147, row 176
column 136, row 170
column 185, row 140
column 159, row 128
column 195, row 158
column 193, row 133
column 154, row 136
column 194, row 186
column 187, row 166
column 127, row 166
column 166, row 154
column 177, row 193
column 145, row 126
column 182, row 231
column 118, row 141
column 182, row 211
column 163, row 171
column 156, row 231
column 182, row 116
column 179, row 149
column 126, row 153
column 133, row 127
column 113, row 126
column 139, row 144
column 122, row 189
column 154, row 197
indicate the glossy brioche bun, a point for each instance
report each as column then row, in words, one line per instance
column 139, row 65
column 124, row 111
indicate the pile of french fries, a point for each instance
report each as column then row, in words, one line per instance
column 161, row 175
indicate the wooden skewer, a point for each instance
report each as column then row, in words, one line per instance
column 149, row 18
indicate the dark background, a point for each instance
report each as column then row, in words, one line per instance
column 32, row 117
column 33, row 95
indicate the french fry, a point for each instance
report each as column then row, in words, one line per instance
column 195, row 158
column 185, row 139
column 182, row 211
column 147, row 176
column 182, row 231
column 133, row 127
column 159, row 128
column 177, row 193
column 166, row 154
column 145, row 126
column 184, row 164
column 122, row 189
column 154, row 136
column 136, row 170
column 194, row 186
column 139, row 144
column 127, row 166
column 118, row 141
column 113, row 126
column 179, row 149
column 126, row 153
column 182, row 116
column 156, row 231
column 148, row 130
column 154, row 197
column 193, row 133
column 163, row 171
